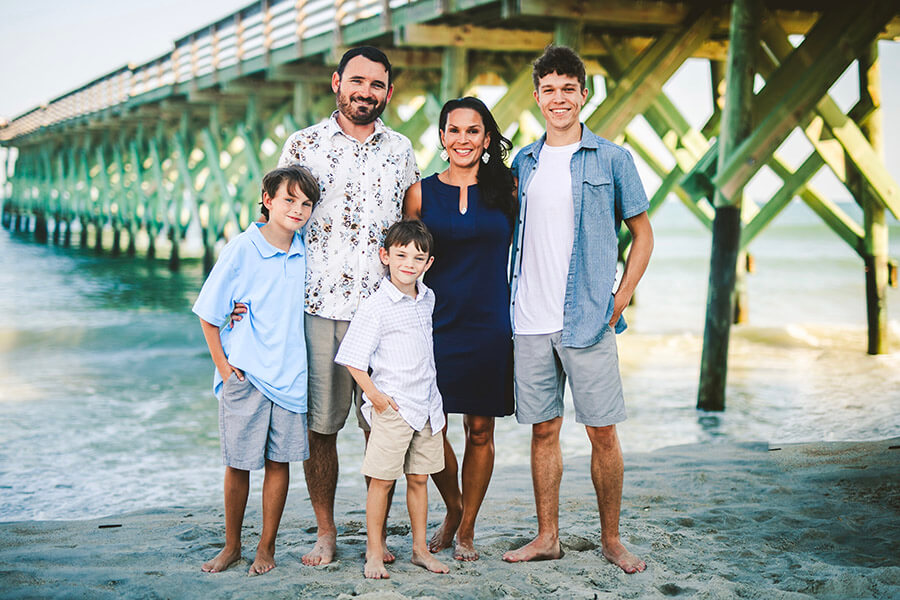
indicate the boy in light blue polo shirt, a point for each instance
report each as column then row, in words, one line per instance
column 260, row 376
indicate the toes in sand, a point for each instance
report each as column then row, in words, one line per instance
column 222, row 561
column 323, row 552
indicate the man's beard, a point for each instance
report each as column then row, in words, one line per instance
column 354, row 114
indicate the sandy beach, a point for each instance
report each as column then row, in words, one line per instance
column 734, row 520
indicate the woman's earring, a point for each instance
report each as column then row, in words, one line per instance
column 444, row 155
column 485, row 157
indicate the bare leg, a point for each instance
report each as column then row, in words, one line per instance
column 546, row 474
column 388, row 555
column 417, row 503
column 447, row 482
column 274, row 495
column 376, row 508
column 237, row 486
column 607, row 470
column 478, row 465
column 321, row 471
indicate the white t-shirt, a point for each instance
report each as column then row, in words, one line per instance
column 547, row 243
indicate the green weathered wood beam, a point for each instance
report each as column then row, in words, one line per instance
column 643, row 80
column 611, row 13
column 799, row 84
column 795, row 181
column 836, row 135
column 831, row 214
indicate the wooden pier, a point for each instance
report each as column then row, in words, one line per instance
column 146, row 152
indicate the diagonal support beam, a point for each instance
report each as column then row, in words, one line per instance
column 642, row 82
column 798, row 85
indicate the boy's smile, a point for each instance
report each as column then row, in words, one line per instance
column 406, row 264
column 560, row 98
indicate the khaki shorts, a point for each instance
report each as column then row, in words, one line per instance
column 395, row 448
column 331, row 389
column 541, row 366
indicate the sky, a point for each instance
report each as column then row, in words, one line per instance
column 50, row 47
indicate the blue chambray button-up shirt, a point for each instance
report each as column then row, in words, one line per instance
column 606, row 189
column 268, row 343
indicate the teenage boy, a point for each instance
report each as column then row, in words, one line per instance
column 260, row 375
column 391, row 335
column 574, row 189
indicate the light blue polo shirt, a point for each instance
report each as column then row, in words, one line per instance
column 268, row 343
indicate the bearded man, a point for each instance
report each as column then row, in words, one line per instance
column 364, row 170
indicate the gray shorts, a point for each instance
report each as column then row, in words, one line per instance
column 331, row 389
column 252, row 428
column 541, row 366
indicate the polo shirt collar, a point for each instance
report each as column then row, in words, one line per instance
column 267, row 250
column 334, row 128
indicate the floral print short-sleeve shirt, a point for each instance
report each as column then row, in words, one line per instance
column 363, row 185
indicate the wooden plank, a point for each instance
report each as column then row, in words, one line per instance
column 471, row 37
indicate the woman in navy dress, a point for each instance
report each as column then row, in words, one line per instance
column 469, row 208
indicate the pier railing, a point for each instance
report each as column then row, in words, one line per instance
column 244, row 39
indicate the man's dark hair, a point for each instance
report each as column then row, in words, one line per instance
column 561, row 60
column 370, row 52
column 298, row 179
column 406, row 231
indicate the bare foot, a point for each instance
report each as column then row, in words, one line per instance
column 374, row 569
column 263, row 563
column 616, row 553
column 465, row 550
column 323, row 552
column 222, row 561
column 388, row 555
column 428, row 561
column 443, row 537
column 537, row 549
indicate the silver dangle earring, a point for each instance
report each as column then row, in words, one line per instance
column 485, row 157
column 444, row 156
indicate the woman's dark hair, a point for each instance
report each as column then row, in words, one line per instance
column 495, row 181
column 297, row 178
column 409, row 231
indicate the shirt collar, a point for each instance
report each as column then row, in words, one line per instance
column 396, row 295
column 267, row 250
column 588, row 140
column 334, row 128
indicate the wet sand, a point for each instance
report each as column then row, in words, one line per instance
column 726, row 520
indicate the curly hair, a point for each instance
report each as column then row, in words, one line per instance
column 561, row 60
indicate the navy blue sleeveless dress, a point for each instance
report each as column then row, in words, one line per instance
column 472, row 333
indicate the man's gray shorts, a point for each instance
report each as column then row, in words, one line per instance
column 252, row 428
column 542, row 364
column 331, row 389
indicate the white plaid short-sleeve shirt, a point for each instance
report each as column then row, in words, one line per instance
column 392, row 333
column 363, row 185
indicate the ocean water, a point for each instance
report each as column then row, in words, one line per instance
column 106, row 407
